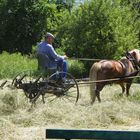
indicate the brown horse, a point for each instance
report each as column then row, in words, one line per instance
column 110, row 69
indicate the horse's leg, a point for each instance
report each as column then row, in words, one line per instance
column 128, row 85
column 123, row 87
column 97, row 92
column 98, row 89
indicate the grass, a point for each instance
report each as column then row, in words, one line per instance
column 11, row 64
column 19, row 121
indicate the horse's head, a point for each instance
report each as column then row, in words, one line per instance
column 135, row 54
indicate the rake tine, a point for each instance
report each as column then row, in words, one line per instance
column 3, row 84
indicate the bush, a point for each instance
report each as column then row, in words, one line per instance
column 76, row 68
column 12, row 64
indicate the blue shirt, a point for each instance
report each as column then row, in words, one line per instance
column 48, row 49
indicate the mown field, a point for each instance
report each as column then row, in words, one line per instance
column 18, row 120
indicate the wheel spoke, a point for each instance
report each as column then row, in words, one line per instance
column 55, row 98
column 70, row 99
column 65, row 86
column 28, row 82
column 67, row 95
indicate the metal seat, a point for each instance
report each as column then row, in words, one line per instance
column 45, row 64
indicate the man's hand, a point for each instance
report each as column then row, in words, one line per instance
column 65, row 57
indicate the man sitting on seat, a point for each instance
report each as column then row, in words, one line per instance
column 45, row 47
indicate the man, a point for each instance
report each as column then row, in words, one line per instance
column 45, row 47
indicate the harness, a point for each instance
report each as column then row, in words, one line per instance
column 124, row 67
column 132, row 60
column 134, row 64
column 124, row 63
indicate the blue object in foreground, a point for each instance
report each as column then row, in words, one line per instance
column 68, row 134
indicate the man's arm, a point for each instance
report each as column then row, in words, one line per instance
column 54, row 54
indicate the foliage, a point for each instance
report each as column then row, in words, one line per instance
column 12, row 64
column 102, row 29
column 54, row 19
column 22, row 24
column 135, row 6
column 64, row 4
column 96, row 29
column 76, row 68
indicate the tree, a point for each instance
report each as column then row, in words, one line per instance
column 102, row 29
column 23, row 22
column 135, row 7
column 64, row 4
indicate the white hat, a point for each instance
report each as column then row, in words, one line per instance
column 49, row 34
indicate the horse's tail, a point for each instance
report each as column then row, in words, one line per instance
column 93, row 77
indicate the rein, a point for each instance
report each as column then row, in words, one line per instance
column 84, row 59
column 132, row 60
